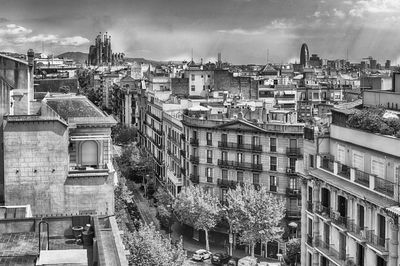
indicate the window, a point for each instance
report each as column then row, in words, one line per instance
column 192, row 88
column 378, row 167
column 256, row 179
column 240, row 177
column 209, row 174
column 341, row 151
column 204, row 87
column 311, row 156
column 239, row 139
column 292, row 164
column 193, row 77
column 255, row 141
column 89, row 153
column 358, row 160
column 209, row 156
column 273, row 183
column 224, row 156
column 239, row 157
column 209, row 138
column 224, row 195
column 272, row 144
column 273, row 164
column 208, row 76
column 256, row 159
column 224, row 138
column 293, row 184
column 225, row 174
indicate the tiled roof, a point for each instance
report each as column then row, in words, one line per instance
column 69, row 107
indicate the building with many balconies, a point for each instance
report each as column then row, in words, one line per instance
column 350, row 196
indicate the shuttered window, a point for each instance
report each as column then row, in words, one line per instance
column 341, row 154
column 378, row 167
column 358, row 160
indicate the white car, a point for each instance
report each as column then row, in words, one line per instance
column 201, row 255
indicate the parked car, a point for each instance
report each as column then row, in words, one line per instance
column 201, row 255
column 220, row 258
column 247, row 261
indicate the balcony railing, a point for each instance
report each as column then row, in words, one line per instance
column 183, row 137
column 273, row 188
column 240, row 165
column 339, row 220
column 293, row 192
column 377, row 241
column 183, row 153
column 384, row 186
column 357, row 230
column 310, row 206
column 293, row 213
column 343, row 170
column 240, row 146
column 194, row 159
column 327, row 164
column 293, row 152
column 226, row 183
column 291, row 171
column 194, row 142
column 361, row 178
column 194, row 178
column 329, row 250
column 209, row 142
column 324, row 211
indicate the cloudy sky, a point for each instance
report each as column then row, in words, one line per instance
column 242, row 30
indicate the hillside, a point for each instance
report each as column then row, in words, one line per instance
column 78, row 57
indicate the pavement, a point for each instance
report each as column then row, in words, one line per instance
column 179, row 231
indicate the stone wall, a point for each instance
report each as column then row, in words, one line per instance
column 35, row 165
column 180, row 86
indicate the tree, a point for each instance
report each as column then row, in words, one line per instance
column 133, row 164
column 197, row 207
column 148, row 247
column 256, row 214
column 164, row 208
column 123, row 134
column 293, row 250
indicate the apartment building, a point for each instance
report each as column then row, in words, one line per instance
column 350, row 196
column 226, row 152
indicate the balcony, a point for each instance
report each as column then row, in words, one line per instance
column 85, row 171
column 273, row 188
column 378, row 242
column 293, row 213
column 240, row 165
column 194, row 178
column 194, row 159
column 225, row 183
column 293, row 152
column 339, row 220
column 291, row 171
column 293, row 192
column 183, row 137
column 183, row 153
column 327, row 164
column 357, row 231
column 361, row 178
column 310, row 206
column 329, row 251
column 183, row 171
column 324, row 211
column 384, row 186
column 237, row 146
column 209, row 142
column 343, row 170
column 194, row 141
column 176, row 141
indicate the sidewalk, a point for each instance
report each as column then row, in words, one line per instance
column 191, row 245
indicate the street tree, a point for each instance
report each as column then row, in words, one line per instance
column 256, row 214
column 199, row 208
column 148, row 247
column 293, row 249
column 133, row 164
column 164, row 207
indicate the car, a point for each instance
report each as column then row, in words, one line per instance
column 247, row 261
column 220, row 258
column 201, row 255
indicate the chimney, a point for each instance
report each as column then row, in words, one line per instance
column 31, row 56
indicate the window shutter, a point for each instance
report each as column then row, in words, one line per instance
column 358, row 161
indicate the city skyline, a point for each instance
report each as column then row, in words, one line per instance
column 244, row 31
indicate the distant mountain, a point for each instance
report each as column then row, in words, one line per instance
column 78, row 57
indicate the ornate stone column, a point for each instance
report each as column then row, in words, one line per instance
column 394, row 240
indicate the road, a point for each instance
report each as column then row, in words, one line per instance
column 143, row 207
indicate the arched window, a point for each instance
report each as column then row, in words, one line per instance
column 89, row 153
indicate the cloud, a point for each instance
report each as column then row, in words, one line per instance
column 275, row 25
column 338, row 13
column 374, row 7
column 12, row 34
column 3, row 20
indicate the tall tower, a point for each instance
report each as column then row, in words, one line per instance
column 304, row 55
